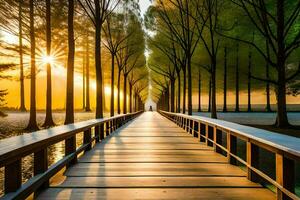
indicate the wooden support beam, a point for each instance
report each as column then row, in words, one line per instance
column 97, row 133
column 232, row 148
column 202, row 132
column 285, row 175
column 13, row 176
column 41, row 166
column 195, row 128
column 87, row 139
column 70, row 147
column 206, row 133
column 210, row 133
column 107, row 129
column 252, row 160
column 101, row 131
column 218, row 140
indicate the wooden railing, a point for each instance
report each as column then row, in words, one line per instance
column 12, row 150
column 285, row 148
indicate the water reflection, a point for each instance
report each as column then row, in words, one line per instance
column 55, row 152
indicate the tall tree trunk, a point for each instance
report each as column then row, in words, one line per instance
column 178, row 91
column 99, row 78
column 135, row 102
column 282, row 119
column 190, row 92
column 172, row 82
column 213, row 90
column 167, row 99
column 22, row 93
column 237, row 82
column 209, row 96
column 125, row 95
column 87, row 71
column 184, row 91
column 249, row 81
column 199, row 90
column 32, row 125
column 112, row 86
column 83, row 82
column 130, row 98
column 119, row 91
column 225, row 81
column 49, row 120
column 70, row 68
column 268, row 103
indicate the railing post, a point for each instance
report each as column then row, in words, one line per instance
column 195, row 128
column 101, row 131
column 191, row 125
column 97, row 133
column 231, row 146
column 218, row 139
column 210, row 135
column 202, row 132
column 40, row 166
column 285, row 175
column 87, row 139
column 111, row 126
column 107, row 128
column 70, row 147
column 13, row 176
column 252, row 160
column 206, row 133
column 187, row 125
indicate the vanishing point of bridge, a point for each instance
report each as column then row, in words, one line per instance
column 149, row 157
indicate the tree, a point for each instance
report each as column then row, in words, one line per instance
column 32, row 125
column 225, row 81
column 176, row 15
column 87, row 72
column 133, row 79
column 98, row 11
column 49, row 120
column 237, row 81
column 114, row 38
column 70, row 67
column 277, row 24
column 199, row 90
column 208, row 13
column 4, row 92
column 22, row 93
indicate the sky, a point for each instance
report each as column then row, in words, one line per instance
column 144, row 4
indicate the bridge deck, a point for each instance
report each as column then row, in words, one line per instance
column 152, row 158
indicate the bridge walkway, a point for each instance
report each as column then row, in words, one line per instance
column 152, row 158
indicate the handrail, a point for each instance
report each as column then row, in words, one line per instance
column 286, row 148
column 13, row 149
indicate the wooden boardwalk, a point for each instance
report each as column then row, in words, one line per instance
column 152, row 158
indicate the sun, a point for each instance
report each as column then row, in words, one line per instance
column 48, row 59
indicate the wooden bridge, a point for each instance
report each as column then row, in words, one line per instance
column 150, row 157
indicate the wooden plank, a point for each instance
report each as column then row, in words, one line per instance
column 175, row 193
column 155, row 182
column 153, row 169
column 139, row 146
column 157, row 140
column 154, row 158
column 130, row 165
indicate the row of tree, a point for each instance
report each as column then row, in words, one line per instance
column 117, row 29
column 195, row 39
